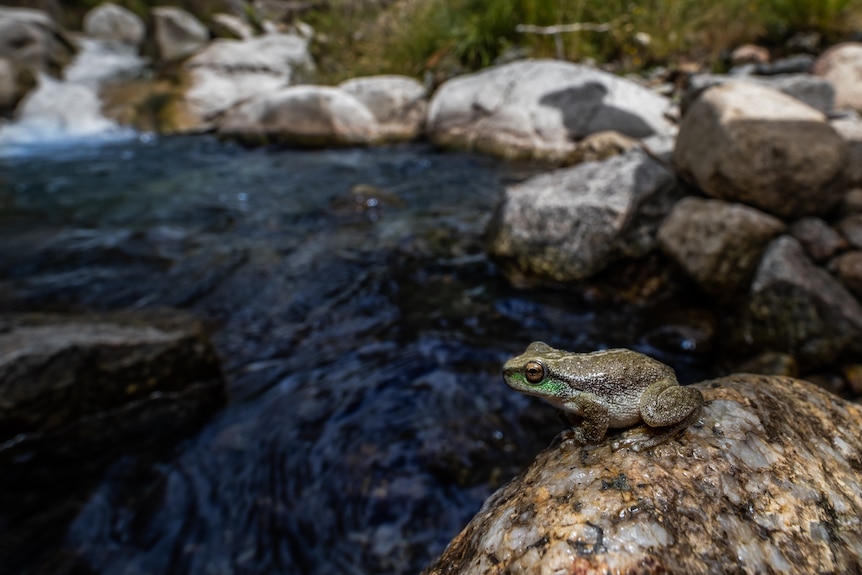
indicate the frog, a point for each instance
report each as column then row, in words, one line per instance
column 607, row 389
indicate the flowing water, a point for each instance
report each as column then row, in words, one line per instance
column 69, row 109
column 361, row 328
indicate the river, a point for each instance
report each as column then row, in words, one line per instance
column 361, row 328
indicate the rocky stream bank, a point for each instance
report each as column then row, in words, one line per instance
column 739, row 197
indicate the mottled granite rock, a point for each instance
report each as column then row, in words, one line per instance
column 769, row 480
column 717, row 243
column 398, row 103
column 819, row 239
column 842, row 65
column 746, row 143
column 848, row 268
column 570, row 224
column 539, row 108
column 850, row 128
column 795, row 306
column 113, row 23
column 851, row 228
column 312, row 116
column 178, row 34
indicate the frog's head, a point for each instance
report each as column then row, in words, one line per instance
column 534, row 372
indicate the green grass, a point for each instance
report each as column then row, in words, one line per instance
column 449, row 36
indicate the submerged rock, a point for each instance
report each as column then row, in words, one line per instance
column 86, row 381
column 746, row 143
column 540, row 108
column 768, row 480
column 571, row 223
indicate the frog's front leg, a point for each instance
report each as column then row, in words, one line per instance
column 665, row 402
column 595, row 418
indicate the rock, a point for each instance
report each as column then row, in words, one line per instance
column 539, row 108
column 398, row 103
column 717, row 243
column 798, row 308
column 820, row 241
column 851, row 228
column 304, row 116
column 749, row 54
column 746, row 143
column 230, row 71
column 771, row 363
column 115, row 24
column 178, row 34
column 850, row 128
column 767, row 481
column 31, row 39
column 798, row 64
column 231, row 27
column 816, row 92
column 58, row 373
column 848, row 267
column 571, row 223
column 9, row 92
column 842, row 65
column 601, row 146
column 852, row 201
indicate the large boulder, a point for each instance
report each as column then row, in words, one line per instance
column 797, row 307
column 227, row 72
column 717, row 243
column 747, row 143
column 540, row 108
column 61, row 375
column 31, row 39
column 842, row 65
column 767, row 481
column 398, row 103
column 571, row 223
column 115, row 24
column 178, row 33
column 303, row 116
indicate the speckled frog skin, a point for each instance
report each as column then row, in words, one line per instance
column 615, row 388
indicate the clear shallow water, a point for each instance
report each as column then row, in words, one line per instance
column 361, row 328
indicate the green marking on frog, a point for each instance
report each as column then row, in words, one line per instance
column 610, row 389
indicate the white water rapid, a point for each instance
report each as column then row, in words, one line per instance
column 69, row 110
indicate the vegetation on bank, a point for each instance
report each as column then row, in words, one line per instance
column 416, row 37
column 445, row 37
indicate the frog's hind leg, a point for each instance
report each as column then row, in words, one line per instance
column 666, row 406
column 666, row 403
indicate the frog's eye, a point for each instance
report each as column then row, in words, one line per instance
column 534, row 372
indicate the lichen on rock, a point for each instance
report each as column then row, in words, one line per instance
column 768, row 480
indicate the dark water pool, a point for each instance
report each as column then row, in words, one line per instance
column 361, row 329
